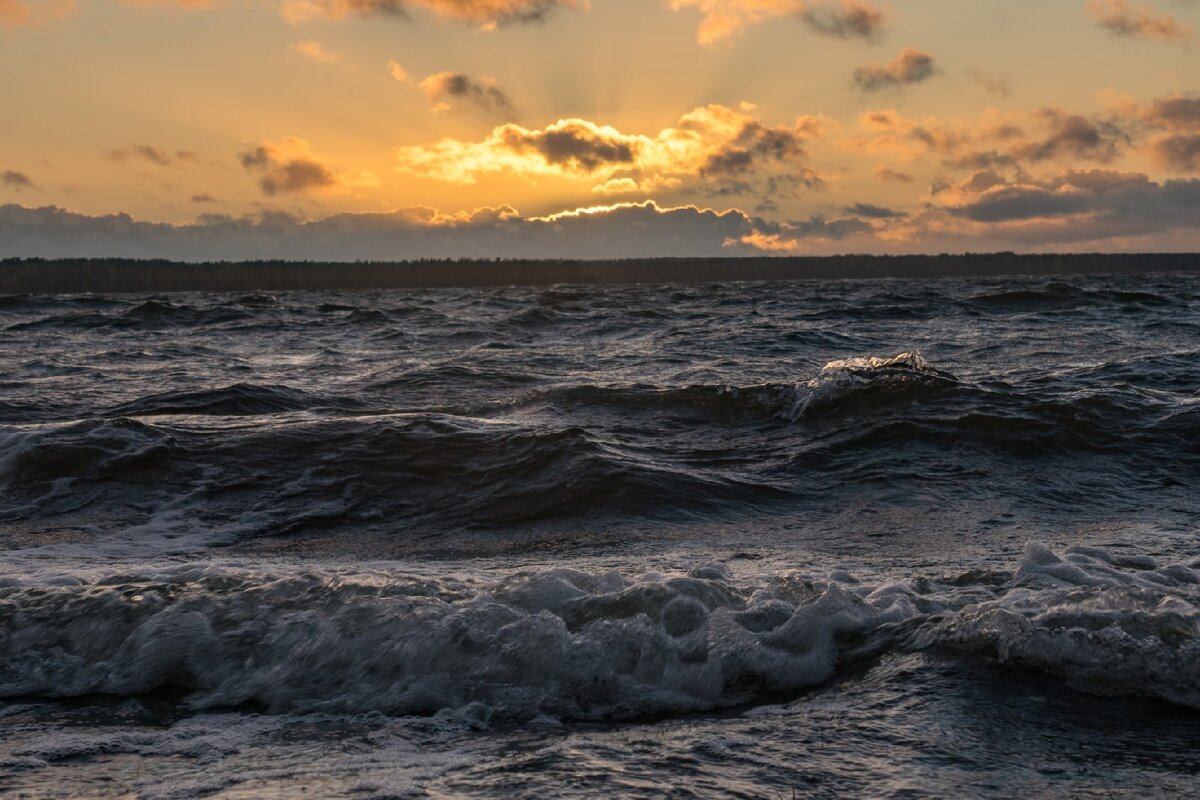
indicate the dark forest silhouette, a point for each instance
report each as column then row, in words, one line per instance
column 126, row 275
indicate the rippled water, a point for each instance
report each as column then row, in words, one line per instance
column 893, row 538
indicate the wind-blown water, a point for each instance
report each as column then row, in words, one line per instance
column 894, row 538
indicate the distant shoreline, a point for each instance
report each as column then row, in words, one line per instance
column 115, row 275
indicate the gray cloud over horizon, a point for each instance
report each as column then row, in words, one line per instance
column 625, row 231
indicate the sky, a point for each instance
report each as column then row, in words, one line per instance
column 347, row 129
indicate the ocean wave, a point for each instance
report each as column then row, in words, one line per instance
column 576, row 645
column 842, row 386
column 312, row 472
column 272, row 459
column 1057, row 296
column 234, row 400
column 149, row 314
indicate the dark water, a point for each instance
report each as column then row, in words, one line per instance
column 892, row 538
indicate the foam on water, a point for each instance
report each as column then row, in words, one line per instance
column 572, row 645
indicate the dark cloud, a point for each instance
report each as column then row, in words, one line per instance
column 1178, row 121
column 887, row 174
column 622, row 231
column 871, row 211
column 1179, row 152
column 849, row 19
column 16, row 180
column 1022, row 202
column 446, row 87
column 143, row 152
column 1175, row 112
column 258, row 158
column 726, row 162
column 991, row 84
column 911, row 66
column 1138, row 21
column 573, row 144
column 818, row 226
column 981, row 160
column 284, row 174
column 982, row 181
column 790, row 184
column 482, row 12
column 755, row 144
column 1127, row 202
column 1074, row 136
column 204, row 198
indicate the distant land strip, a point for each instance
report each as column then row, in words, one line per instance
column 111, row 275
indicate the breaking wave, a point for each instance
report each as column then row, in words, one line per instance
column 580, row 646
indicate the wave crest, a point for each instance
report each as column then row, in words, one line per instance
column 576, row 645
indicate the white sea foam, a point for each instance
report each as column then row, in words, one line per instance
column 566, row 644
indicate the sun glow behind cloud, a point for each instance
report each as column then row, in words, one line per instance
column 877, row 133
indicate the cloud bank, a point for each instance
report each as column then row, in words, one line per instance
column 616, row 231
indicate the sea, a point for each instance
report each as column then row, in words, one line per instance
column 888, row 538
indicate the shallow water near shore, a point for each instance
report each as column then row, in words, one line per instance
column 898, row 538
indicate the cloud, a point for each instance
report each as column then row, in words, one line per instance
column 313, row 51
column 887, row 174
column 871, row 211
column 189, row 5
column 445, row 88
column 1137, row 21
column 991, row 84
column 18, row 181
column 290, row 167
column 1106, row 209
column 573, row 145
column 889, row 132
column 485, row 13
column 998, row 139
column 1177, row 119
column 30, row 13
column 795, row 236
column 1073, row 136
column 1179, row 152
column 981, row 160
column 1072, row 206
column 911, row 66
column 843, row 19
column 397, row 72
column 753, row 144
column 205, row 198
column 715, row 148
column 789, row 185
column 617, row 186
column 622, row 230
column 1103, row 208
column 849, row 19
column 142, row 152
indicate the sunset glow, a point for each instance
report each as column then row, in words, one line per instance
column 828, row 125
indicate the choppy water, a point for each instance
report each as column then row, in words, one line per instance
column 894, row 538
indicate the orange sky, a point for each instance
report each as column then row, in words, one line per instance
column 446, row 127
